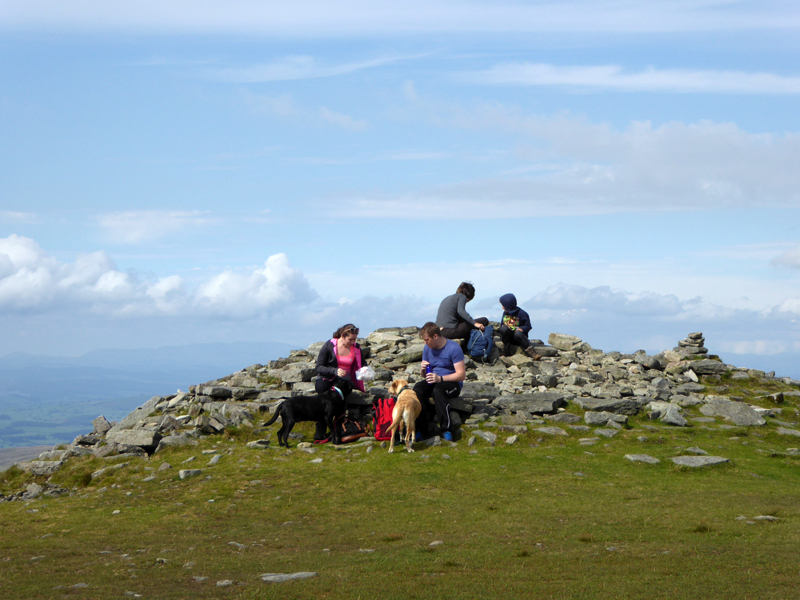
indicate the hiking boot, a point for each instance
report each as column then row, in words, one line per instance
column 532, row 353
column 447, row 437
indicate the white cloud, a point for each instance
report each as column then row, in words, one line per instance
column 292, row 68
column 240, row 295
column 584, row 168
column 134, row 227
column 790, row 305
column 341, row 120
column 307, row 18
column 616, row 78
column 284, row 106
column 603, row 299
column 790, row 258
column 10, row 216
column 33, row 281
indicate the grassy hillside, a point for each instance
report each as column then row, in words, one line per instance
column 546, row 517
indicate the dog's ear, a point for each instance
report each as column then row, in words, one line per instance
column 393, row 388
column 349, row 389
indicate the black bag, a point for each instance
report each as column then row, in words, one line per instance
column 349, row 429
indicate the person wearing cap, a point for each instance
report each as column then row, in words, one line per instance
column 515, row 325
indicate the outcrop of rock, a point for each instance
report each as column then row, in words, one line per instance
column 573, row 388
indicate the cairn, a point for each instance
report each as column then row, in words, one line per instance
column 692, row 344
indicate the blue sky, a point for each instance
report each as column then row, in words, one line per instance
column 179, row 172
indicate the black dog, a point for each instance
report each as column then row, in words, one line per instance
column 322, row 408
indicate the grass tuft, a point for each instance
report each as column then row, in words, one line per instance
column 702, row 527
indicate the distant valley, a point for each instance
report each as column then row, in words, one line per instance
column 47, row 400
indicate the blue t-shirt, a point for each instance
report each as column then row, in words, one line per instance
column 443, row 360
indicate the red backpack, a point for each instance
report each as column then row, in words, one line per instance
column 382, row 419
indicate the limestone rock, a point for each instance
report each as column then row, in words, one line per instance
column 135, row 437
column 622, row 406
column 101, row 425
column 538, row 403
column 645, row 458
column 737, row 413
column 563, row 341
column 699, row 461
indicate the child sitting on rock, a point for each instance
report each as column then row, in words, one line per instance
column 515, row 325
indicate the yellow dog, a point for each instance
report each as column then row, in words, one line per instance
column 405, row 412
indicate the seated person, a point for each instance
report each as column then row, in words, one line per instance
column 453, row 319
column 446, row 361
column 515, row 325
column 339, row 358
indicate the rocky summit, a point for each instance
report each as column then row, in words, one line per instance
column 572, row 390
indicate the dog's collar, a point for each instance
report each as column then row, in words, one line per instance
column 339, row 391
column 408, row 387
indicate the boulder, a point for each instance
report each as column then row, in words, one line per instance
column 101, row 425
column 146, row 439
column 602, row 418
column 737, row 413
column 139, row 414
column 709, row 367
column 563, row 341
column 538, row 403
column 45, row 467
column 622, row 406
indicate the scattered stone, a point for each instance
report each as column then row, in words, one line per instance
column 787, row 431
column 552, row 431
column 279, row 577
column 487, row 436
column 609, row 433
column 699, row 461
column 645, row 458
column 187, row 473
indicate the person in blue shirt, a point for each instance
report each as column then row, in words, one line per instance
column 515, row 325
column 446, row 361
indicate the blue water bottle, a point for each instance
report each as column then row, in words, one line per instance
column 427, row 371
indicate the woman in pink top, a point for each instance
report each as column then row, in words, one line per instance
column 339, row 357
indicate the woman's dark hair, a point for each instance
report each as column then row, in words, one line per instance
column 467, row 289
column 344, row 330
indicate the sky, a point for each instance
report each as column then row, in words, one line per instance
column 179, row 172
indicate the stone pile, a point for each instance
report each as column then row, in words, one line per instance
column 572, row 389
column 692, row 345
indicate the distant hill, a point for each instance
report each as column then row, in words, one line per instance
column 47, row 400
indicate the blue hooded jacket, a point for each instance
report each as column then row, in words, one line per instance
column 510, row 308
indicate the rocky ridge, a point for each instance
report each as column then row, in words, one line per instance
column 573, row 390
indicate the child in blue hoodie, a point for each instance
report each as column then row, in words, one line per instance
column 515, row 325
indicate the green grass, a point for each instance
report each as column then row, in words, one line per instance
column 544, row 518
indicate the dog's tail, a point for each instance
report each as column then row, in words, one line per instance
column 275, row 415
column 397, row 418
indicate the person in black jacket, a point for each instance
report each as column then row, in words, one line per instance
column 339, row 357
column 515, row 325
